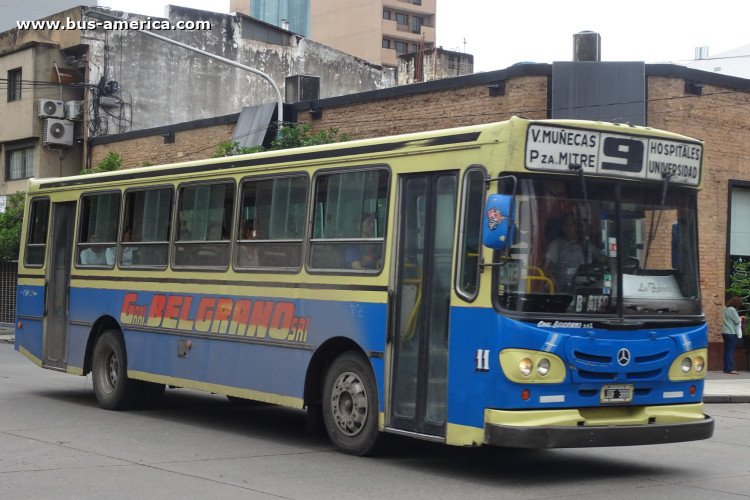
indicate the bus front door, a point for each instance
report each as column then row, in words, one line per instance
column 422, row 302
column 54, row 352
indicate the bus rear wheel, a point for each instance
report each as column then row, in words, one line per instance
column 350, row 405
column 112, row 387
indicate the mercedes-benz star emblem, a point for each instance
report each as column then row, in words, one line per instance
column 623, row 357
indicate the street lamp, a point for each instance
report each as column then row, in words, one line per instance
column 106, row 17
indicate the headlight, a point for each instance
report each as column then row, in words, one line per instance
column 687, row 364
column 543, row 367
column 525, row 367
column 698, row 364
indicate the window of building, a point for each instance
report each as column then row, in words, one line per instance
column 414, row 47
column 416, row 24
column 14, row 84
column 416, row 2
column 402, row 19
column 387, row 14
column 272, row 223
column 402, row 47
column 37, row 232
column 350, row 221
column 205, row 222
column 19, row 164
column 470, row 245
column 146, row 224
column 97, row 233
column 386, row 44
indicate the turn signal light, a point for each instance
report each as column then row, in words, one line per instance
column 525, row 394
column 19, row 325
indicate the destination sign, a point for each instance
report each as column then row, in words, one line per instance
column 554, row 149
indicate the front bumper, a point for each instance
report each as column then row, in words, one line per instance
column 594, row 427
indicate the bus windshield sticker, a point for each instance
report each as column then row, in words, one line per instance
column 555, row 149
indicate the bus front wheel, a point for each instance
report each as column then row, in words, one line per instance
column 350, row 405
column 112, row 387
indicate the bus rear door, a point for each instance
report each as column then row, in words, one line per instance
column 57, row 286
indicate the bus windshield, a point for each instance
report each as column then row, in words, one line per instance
column 564, row 256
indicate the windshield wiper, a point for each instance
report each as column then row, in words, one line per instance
column 653, row 229
column 585, row 219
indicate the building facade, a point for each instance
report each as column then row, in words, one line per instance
column 375, row 30
column 125, row 81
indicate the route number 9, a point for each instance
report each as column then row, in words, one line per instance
column 625, row 155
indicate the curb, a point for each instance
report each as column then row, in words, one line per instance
column 726, row 399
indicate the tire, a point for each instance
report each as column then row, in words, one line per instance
column 350, row 405
column 112, row 387
column 150, row 395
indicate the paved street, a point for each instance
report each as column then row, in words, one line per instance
column 55, row 442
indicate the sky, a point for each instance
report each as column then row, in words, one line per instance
column 500, row 33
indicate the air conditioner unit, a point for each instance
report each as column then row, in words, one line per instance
column 74, row 110
column 58, row 132
column 51, row 109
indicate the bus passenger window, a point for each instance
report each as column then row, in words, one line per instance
column 145, row 232
column 468, row 271
column 350, row 221
column 205, row 222
column 272, row 223
column 97, row 234
column 36, row 240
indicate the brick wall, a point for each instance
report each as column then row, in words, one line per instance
column 197, row 144
column 456, row 107
column 723, row 122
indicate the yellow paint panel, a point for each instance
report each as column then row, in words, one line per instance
column 74, row 370
column 220, row 389
column 510, row 359
column 37, row 361
column 463, row 435
column 597, row 416
column 676, row 373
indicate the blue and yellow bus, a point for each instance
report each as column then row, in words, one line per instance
column 524, row 284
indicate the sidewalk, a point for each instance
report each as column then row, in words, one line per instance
column 7, row 333
column 721, row 387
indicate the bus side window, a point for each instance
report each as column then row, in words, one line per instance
column 272, row 223
column 470, row 245
column 350, row 221
column 36, row 240
column 97, row 233
column 204, row 226
column 145, row 232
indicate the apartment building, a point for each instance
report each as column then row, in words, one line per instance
column 375, row 30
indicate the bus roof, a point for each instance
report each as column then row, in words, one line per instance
column 379, row 147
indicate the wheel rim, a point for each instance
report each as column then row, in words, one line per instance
column 349, row 404
column 108, row 371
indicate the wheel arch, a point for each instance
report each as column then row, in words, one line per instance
column 101, row 325
column 321, row 360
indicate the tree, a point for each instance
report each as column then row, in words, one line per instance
column 11, row 224
column 110, row 163
column 739, row 281
column 292, row 136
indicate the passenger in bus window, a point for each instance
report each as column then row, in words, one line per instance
column 365, row 256
column 127, row 252
column 97, row 256
column 248, row 256
column 565, row 254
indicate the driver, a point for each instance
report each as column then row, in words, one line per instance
column 564, row 255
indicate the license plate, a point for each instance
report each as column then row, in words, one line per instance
column 617, row 394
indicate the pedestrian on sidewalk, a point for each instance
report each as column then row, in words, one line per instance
column 731, row 330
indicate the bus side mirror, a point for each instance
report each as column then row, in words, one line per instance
column 499, row 212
